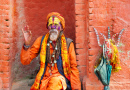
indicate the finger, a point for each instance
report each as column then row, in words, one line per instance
column 27, row 27
column 22, row 30
column 30, row 32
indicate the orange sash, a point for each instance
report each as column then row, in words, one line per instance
column 65, row 59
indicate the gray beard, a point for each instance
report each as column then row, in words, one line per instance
column 53, row 34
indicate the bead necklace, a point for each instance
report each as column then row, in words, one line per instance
column 53, row 57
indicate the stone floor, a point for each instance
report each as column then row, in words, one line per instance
column 22, row 84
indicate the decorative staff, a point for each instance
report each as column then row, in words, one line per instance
column 110, row 59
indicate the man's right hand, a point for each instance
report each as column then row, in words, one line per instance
column 27, row 35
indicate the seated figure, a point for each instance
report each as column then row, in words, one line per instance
column 58, row 67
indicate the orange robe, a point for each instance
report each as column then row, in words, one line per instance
column 48, row 81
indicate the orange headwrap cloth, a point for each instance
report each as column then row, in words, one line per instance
column 58, row 16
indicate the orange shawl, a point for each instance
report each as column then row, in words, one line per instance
column 65, row 59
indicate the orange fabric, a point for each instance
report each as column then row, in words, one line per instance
column 53, row 82
column 54, row 86
column 28, row 55
column 59, row 17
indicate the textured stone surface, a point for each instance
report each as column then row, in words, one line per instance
column 22, row 84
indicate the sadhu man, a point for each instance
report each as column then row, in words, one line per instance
column 58, row 68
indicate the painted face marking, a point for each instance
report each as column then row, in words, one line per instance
column 54, row 23
column 53, row 20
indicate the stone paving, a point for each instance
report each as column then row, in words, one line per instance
column 22, row 84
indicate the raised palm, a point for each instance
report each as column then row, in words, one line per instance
column 27, row 35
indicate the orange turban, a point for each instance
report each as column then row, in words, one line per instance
column 58, row 16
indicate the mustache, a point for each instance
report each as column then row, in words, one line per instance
column 53, row 31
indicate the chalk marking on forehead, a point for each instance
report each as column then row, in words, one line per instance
column 53, row 19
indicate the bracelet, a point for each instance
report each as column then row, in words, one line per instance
column 25, row 46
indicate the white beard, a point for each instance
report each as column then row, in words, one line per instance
column 53, row 34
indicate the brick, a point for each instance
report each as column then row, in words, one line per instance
column 91, row 10
column 95, row 57
column 81, row 57
column 5, row 17
column 6, row 23
column 81, row 62
column 79, row 1
column 4, row 46
column 91, row 5
column 80, row 45
column 80, row 12
column 4, row 7
column 5, row 2
column 80, row 29
column 5, row 57
column 79, row 6
column 4, row 69
column 7, row 35
column 6, row 40
column 80, row 17
column 5, row 63
column 4, row 51
column 6, row 74
column 93, row 51
column 92, row 34
column 6, row 29
column 5, row 85
column 93, row 46
column 82, row 69
column 5, row 80
column 92, row 17
column 91, row 23
column 79, row 40
column 80, row 35
column 80, row 23
column 80, row 51
column 93, row 41
column 4, row 12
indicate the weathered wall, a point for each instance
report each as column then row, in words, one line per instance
column 81, row 24
column 114, row 14
column 5, row 43
column 34, row 13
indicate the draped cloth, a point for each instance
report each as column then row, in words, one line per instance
column 115, row 59
column 53, row 82
column 65, row 59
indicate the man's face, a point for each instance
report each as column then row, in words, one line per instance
column 55, row 27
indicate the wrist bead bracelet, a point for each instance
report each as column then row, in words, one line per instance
column 26, row 46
